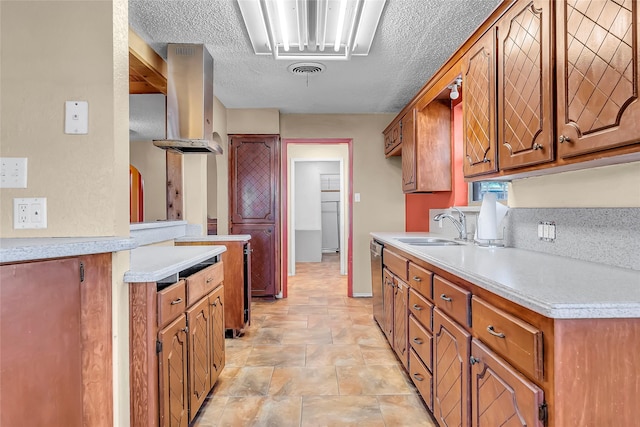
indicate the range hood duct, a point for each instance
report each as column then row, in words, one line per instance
column 190, row 101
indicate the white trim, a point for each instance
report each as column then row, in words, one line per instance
column 362, row 295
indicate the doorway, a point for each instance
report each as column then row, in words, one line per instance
column 317, row 164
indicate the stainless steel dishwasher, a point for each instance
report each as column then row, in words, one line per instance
column 376, row 280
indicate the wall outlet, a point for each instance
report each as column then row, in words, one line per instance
column 30, row 213
column 547, row 231
column 13, row 172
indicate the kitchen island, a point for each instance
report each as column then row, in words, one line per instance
column 494, row 333
column 176, row 305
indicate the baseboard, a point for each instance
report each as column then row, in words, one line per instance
column 363, row 295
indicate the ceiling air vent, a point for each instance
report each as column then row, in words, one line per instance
column 306, row 68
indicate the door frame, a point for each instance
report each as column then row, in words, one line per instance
column 285, row 214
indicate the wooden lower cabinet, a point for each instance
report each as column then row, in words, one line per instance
column 217, row 332
column 500, row 395
column 198, row 319
column 176, row 356
column 172, row 362
column 451, row 348
column 400, row 322
column 388, row 305
column 422, row 378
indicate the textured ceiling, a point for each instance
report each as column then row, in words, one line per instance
column 414, row 38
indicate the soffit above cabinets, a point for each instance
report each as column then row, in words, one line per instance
column 147, row 69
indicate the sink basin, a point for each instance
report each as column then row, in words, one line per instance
column 427, row 241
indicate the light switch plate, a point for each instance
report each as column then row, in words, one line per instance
column 76, row 117
column 30, row 213
column 13, row 172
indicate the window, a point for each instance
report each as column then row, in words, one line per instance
column 499, row 188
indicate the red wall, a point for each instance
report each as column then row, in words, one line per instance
column 417, row 205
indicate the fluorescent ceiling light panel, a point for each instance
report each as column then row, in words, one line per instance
column 311, row 29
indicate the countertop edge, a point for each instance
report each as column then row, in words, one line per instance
column 630, row 309
column 215, row 238
column 34, row 249
column 171, row 264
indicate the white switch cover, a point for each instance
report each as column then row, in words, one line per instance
column 30, row 213
column 76, row 117
column 13, row 172
column 356, row 197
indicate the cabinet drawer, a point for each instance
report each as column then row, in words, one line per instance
column 171, row 302
column 204, row 281
column 452, row 299
column 515, row 340
column 396, row 264
column 420, row 340
column 421, row 308
column 422, row 378
column 421, row 280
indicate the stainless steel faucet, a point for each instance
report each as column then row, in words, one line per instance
column 460, row 223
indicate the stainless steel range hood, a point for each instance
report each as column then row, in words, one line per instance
column 190, row 101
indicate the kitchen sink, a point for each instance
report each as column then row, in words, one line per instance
column 427, row 241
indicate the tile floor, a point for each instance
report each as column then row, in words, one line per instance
column 316, row 358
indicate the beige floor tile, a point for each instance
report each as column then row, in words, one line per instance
column 269, row 411
column 359, row 334
column 307, row 336
column 210, row 412
column 246, row 381
column 315, row 381
column 379, row 355
column 332, row 411
column 276, row 355
column 329, row 321
column 307, row 309
column 266, row 336
column 334, row 355
column 405, row 411
column 285, row 321
column 237, row 356
column 372, row 380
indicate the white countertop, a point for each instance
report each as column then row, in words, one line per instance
column 556, row 287
column 216, row 238
column 154, row 263
column 36, row 248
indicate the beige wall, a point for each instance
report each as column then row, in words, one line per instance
column 83, row 177
column 150, row 161
column 378, row 180
column 608, row 186
column 257, row 121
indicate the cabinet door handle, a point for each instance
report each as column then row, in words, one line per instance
column 417, row 340
column 417, row 279
column 562, row 139
column 537, row 146
column 493, row 332
column 185, row 329
column 418, row 377
column 417, row 307
column 446, row 298
column 473, row 360
column 176, row 301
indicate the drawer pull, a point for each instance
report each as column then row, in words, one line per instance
column 446, row 298
column 417, row 279
column 418, row 341
column 417, row 307
column 209, row 279
column 176, row 301
column 494, row 333
column 418, row 377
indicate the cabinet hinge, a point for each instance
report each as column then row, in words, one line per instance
column 158, row 347
column 81, row 272
column 543, row 413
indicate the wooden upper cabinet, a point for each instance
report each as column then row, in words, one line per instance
column 598, row 46
column 408, row 132
column 479, row 107
column 426, row 149
column 525, row 75
column 392, row 140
